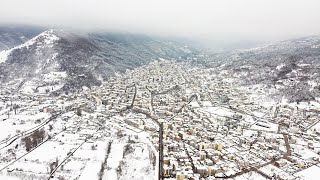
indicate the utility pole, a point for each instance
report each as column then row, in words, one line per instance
column 161, row 151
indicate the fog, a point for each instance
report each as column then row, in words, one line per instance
column 209, row 20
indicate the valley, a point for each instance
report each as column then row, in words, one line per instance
column 70, row 111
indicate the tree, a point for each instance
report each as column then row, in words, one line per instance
column 53, row 165
column 79, row 112
column 34, row 139
column 28, row 143
column 37, row 137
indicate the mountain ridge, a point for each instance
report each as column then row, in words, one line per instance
column 289, row 68
column 86, row 59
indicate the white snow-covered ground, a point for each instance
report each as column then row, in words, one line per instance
column 138, row 164
column 54, row 76
column 8, row 177
column 4, row 55
column 194, row 104
column 45, row 83
column 219, row 111
column 304, row 152
column 207, row 103
column 16, row 125
column 113, row 161
column 267, row 126
column 316, row 46
column 250, row 176
column 96, row 158
column 311, row 173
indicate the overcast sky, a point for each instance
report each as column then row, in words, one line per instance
column 211, row 19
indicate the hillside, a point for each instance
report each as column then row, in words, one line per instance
column 11, row 36
column 61, row 61
column 288, row 69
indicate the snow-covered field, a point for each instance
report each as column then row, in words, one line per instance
column 19, row 123
column 311, row 173
column 113, row 162
column 4, row 55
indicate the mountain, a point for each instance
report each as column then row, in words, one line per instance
column 11, row 36
column 288, row 69
column 61, row 61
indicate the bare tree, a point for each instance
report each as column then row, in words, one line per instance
column 34, row 139
column 28, row 143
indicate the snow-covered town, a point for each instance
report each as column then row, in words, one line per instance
column 159, row 90
column 167, row 119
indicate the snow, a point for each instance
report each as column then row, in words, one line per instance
column 303, row 65
column 311, row 173
column 220, row 111
column 228, row 80
column 53, row 76
column 253, row 49
column 52, row 81
column 113, row 161
column 29, row 166
column 188, row 91
column 304, row 152
column 29, row 123
column 49, row 39
column 91, row 171
column 207, row 103
column 315, row 46
column 138, row 164
column 250, row 176
column 271, row 170
column 258, row 114
column 73, row 165
column 316, row 127
column 194, row 104
column 52, row 88
column 7, row 177
column 265, row 126
column 280, row 66
column 49, row 151
column 4, row 55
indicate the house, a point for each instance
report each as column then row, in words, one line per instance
column 202, row 155
column 202, row 146
column 202, row 170
column 180, row 176
column 167, row 170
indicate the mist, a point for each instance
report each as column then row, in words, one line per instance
column 206, row 20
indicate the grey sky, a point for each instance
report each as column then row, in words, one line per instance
column 251, row 19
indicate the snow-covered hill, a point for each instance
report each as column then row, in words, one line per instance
column 288, row 69
column 84, row 60
column 11, row 36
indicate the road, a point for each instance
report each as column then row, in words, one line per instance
column 27, row 132
column 134, row 96
column 256, row 168
column 72, row 152
column 29, row 151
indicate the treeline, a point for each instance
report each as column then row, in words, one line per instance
column 34, row 139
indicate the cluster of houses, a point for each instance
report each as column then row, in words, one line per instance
column 211, row 128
